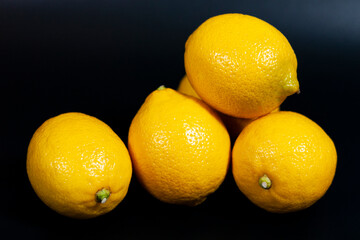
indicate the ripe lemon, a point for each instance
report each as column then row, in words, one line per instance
column 179, row 147
column 234, row 125
column 283, row 162
column 78, row 166
column 240, row 65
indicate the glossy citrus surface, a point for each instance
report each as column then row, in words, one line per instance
column 291, row 151
column 179, row 147
column 240, row 65
column 73, row 156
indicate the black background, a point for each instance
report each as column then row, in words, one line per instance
column 103, row 58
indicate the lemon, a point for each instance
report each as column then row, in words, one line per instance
column 284, row 162
column 179, row 147
column 78, row 166
column 240, row 65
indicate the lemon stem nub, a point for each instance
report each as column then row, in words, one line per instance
column 162, row 87
column 102, row 195
column 265, row 182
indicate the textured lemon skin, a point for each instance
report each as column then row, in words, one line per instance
column 240, row 65
column 71, row 157
column 294, row 152
column 234, row 125
column 179, row 147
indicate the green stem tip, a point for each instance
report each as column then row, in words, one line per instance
column 265, row 182
column 102, row 195
column 162, row 87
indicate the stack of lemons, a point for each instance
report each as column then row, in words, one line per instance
column 239, row 70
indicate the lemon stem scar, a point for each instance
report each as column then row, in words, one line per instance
column 162, row 87
column 102, row 195
column 265, row 182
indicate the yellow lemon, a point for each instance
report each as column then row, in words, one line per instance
column 283, row 162
column 240, row 65
column 78, row 166
column 179, row 147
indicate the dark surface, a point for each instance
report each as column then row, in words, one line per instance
column 103, row 58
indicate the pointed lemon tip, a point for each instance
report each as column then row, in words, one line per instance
column 291, row 89
column 291, row 85
column 162, row 87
